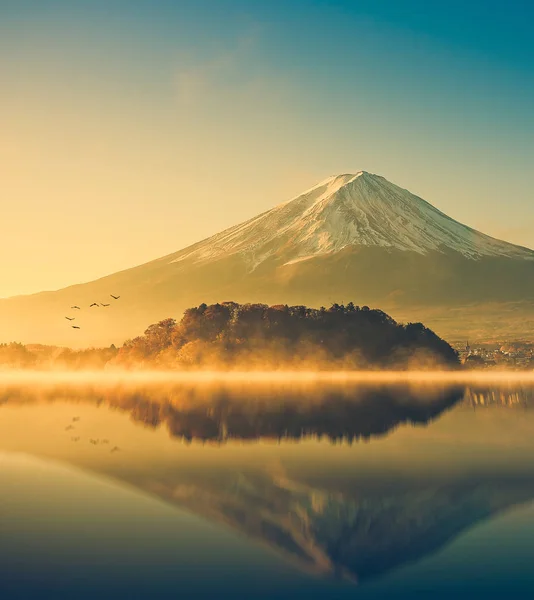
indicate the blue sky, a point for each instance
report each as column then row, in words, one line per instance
column 157, row 123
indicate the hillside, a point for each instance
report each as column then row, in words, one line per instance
column 351, row 236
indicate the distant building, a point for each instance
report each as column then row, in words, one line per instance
column 474, row 361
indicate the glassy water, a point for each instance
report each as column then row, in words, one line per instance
column 266, row 491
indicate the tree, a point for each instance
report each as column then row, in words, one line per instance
column 260, row 335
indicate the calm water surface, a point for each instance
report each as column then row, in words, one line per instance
column 256, row 491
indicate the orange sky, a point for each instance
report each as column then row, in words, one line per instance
column 127, row 135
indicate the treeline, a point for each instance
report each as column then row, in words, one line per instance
column 227, row 335
column 257, row 336
column 36, row 356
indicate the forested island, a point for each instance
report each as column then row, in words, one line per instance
column 257, row 336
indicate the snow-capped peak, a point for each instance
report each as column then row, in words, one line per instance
column 358, row 209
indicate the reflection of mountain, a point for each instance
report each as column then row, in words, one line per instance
column 358, row 537
column 344, row 516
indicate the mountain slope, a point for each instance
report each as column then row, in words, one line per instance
column 351, row 237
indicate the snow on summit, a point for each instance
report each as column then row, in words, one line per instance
column 346, row 210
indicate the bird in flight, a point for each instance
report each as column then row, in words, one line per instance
column 114, row 297
column 104, row 304
column 115, row 449
column 69, row 427
column 94, row 304
column 75, row 326
column 70, row 318
column 76, row 307
column 74, row 419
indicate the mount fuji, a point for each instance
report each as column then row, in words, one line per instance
column 346, row 211
column 353, row 237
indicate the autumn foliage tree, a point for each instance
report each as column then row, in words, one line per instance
column 229, row 334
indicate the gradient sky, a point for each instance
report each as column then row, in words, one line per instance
column 129, row 130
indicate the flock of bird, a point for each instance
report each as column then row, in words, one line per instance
column 92, row 441
column 70, row 427
column 90, row 306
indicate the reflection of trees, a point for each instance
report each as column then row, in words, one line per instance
column 337, row 414
column 510, row 396
column 254, row 412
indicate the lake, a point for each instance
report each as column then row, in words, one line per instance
column 266, row 490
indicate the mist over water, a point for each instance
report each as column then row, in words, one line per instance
column 276, row 484
column 25, row 377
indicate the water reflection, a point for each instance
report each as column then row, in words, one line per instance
column 504, row 395
column 356, row 511
column 220, row 413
